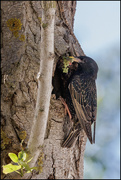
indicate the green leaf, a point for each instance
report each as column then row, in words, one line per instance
column 22, row 155
column 36, row 168
column 10, row 168
column 31, row 169
column 25, row 166
column 29, row 160
column 18, row 172
column 13, row 157
column 28, row 171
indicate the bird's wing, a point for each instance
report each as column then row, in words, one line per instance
column 68, row 142
column 83, row 94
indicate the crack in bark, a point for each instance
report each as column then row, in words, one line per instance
column 34, row 11
column 15, row 130
column 76, row 164
column 52, row 176
column 48, row 130
column 53, row 161
column 56, row 120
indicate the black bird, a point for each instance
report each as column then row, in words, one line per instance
column 78, row 88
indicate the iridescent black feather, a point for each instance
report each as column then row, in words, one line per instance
column 78, row 88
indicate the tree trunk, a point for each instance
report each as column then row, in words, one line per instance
column 44, row 80
column 20, row 66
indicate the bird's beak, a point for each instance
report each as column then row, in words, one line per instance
column 75, row 59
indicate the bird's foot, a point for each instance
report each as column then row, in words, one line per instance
column 66, row 108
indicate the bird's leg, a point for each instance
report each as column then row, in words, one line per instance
column 66, row 107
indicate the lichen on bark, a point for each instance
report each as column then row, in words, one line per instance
column 20, row 62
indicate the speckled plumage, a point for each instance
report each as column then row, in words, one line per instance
column 78, row 88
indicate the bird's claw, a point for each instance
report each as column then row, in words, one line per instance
column 66, row 108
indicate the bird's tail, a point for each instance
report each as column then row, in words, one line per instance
column 93, row 141
column 74, row 133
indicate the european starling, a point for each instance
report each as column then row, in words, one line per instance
column 78, row 88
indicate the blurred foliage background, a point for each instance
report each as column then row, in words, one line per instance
column 102, row 160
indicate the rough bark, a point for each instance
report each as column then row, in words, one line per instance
column 44, row 80
column 20, row 65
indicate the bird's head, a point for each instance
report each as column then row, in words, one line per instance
column 85, row 65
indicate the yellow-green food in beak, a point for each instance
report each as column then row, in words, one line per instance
column 68, row 61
